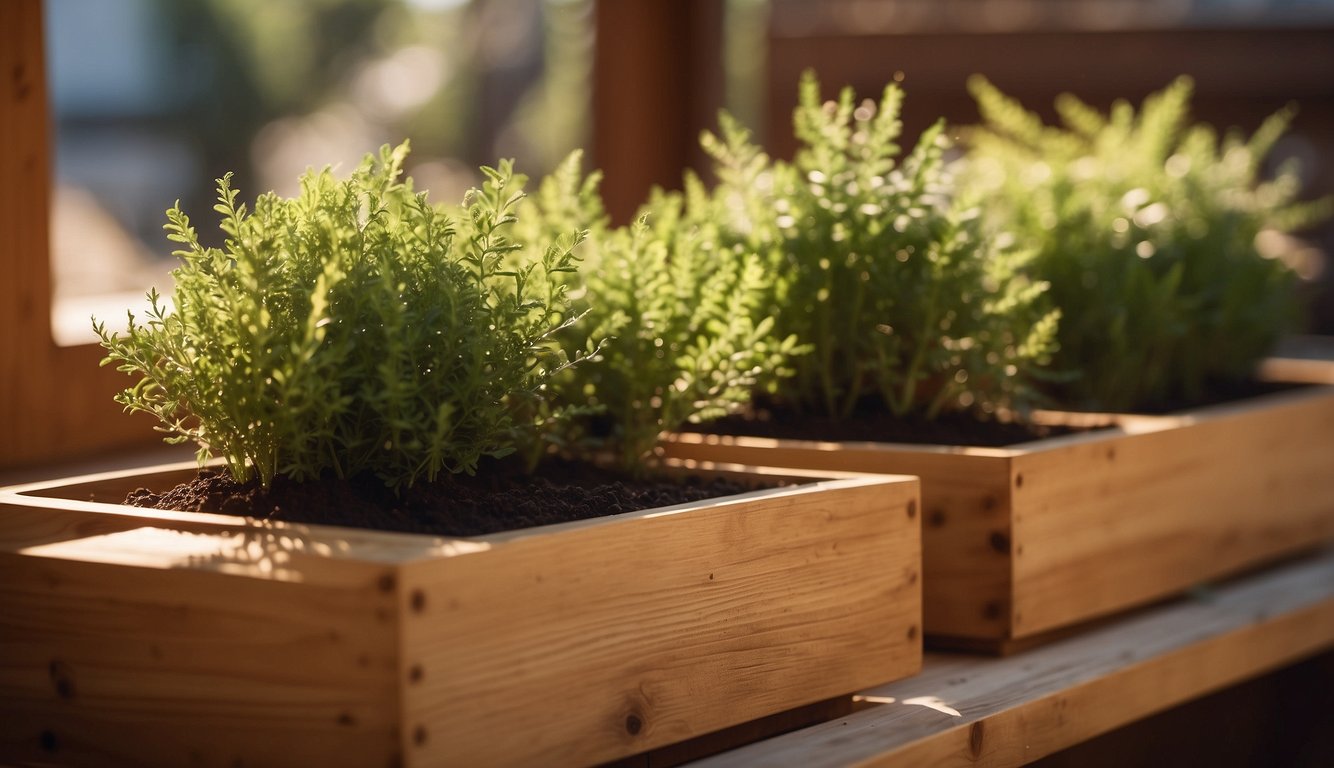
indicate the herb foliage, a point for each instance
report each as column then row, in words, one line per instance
column 874, row 264
column 354, row 328
column 675, row 319
column 1145, row 226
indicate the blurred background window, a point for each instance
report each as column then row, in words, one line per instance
column 153, row 99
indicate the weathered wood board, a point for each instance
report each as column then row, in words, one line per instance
column 137, row 637
column 1021, row 541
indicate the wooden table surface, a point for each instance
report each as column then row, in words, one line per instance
column 980, row 711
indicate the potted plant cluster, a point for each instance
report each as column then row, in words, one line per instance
column 1105, row 267
column 430, row 535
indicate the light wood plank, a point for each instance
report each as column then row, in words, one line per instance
column 107, row 665
column 965, row 514
column 1021, row 708
column 1110, row 524
column 614, row 640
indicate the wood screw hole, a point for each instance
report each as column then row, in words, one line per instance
column 60, row 678
column 912, row 508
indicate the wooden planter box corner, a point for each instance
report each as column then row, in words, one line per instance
column 1019, row 542
column 140, row 637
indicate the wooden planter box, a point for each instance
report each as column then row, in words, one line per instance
column 140, row 637
column 1019, row 542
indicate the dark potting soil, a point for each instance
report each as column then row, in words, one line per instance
column 871, row 424
column 1220, row 392
column 456, row 505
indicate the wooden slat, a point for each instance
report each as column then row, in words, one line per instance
column 1104, row 525
column 617, row 639
column 1017, row 709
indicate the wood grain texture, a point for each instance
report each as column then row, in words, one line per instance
column 662, row 629
column 1232, row 487
column 1021, row 541
column 106, row 664
column 965, row 515
column 965, row 710
column 277, row 644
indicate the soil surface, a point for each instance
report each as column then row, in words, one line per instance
column 872, row 424
column 497, row 499
column 1223, row 391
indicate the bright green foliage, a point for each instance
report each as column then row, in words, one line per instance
column 677, row 314
column 1145, row 227
column 874, row 265
column 353, row 328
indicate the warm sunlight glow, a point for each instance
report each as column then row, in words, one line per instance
column 933, row 702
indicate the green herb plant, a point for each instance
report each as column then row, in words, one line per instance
column 677, row 316
column 355, row 328
column 873, row 263
column 1145, row 226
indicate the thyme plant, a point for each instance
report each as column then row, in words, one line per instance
column 678, row 315
column 875, row 265
column 1145, row 226
column 353, row 328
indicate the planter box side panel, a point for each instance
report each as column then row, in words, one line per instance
column 1110, row 524
column 109, row 658
column 965, row 518
column 647, row 631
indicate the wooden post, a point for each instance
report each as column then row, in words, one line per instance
column 54, row 401
column 657, row 81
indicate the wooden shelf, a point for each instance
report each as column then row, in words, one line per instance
column 1009, row 711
